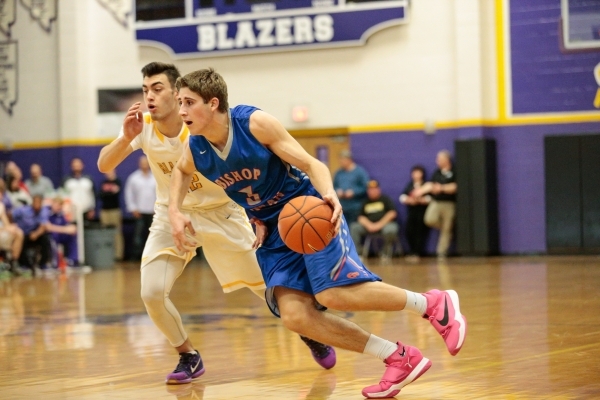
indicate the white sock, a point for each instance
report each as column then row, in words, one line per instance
column 415, row 302
column 379, row 347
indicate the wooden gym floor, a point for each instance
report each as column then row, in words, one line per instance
column 534, row 333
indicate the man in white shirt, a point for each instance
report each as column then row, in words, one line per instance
column 80, row 189
column 140, row 196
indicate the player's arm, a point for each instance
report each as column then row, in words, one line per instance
column 181, row 177
column 269, row 131
column 114, row 153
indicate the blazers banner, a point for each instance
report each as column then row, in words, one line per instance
column 202, row 28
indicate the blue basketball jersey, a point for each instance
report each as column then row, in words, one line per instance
column 251, row 174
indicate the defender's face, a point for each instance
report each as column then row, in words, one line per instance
column 195, row 113
column 160, row 98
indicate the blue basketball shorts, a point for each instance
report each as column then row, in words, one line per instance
column 336, row 265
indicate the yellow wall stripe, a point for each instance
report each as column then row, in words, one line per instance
column 550, row 119
column 501, row 59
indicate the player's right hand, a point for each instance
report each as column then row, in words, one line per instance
column 336, row 218
column 133, row 122
column 179, row 224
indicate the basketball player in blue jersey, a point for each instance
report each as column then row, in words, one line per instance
column 222, row 227
column 249, row 154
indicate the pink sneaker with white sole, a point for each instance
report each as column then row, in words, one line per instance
column 404, row 366
column 443, row 311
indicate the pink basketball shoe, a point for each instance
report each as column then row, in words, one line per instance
column 404, row 366
column 443, row 312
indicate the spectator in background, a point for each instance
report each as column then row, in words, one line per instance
column 140, row 196
column 4, row 199
column 416, row 230
column 18, row 196
column 350, row 183
column 11, row 238
column 80, row 189
column 377, row 215
column 38, row 183
column 442, row 208
column 12, row 170
column 32, row 221
column 110, row 213
column 63, row 232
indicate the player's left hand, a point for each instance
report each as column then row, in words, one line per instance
column 336, row 218
column 261, row 233
column 179, row 224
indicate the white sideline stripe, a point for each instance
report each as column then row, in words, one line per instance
column 458, row 316
column 412, row 376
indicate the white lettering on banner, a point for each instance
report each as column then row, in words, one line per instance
column 323, row 28
column 223, row 41
column 265, row 27
column 207, row 37
column 280, row 31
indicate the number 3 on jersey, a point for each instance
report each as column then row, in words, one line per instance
column 252, row 198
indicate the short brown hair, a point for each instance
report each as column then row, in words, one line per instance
column 155, row 68
column 207, row 83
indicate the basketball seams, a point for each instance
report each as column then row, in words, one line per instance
column 290, row 228
column 301, row 210
column 315, row 230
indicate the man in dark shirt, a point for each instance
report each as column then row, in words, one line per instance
column 442, row 209
column 378, row 215
column 111, row 214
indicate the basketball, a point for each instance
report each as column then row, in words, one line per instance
column 305, row 224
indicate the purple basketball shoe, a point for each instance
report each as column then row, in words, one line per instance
column 190, row 367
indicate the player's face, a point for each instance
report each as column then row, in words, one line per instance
column 159, row 96
column 195, row 112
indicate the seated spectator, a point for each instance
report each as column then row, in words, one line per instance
column 32, row 221
column 4, row 199
column 12, row 169
column 442, row 208
column 38, row 183
column 63, row 232
column 18, row 196
column 416, row 230
column 377, row 215
column 11, row 239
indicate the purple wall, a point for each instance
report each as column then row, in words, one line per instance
column 544, row 79
column 389, row 156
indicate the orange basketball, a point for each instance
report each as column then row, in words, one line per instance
column 305, row 224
